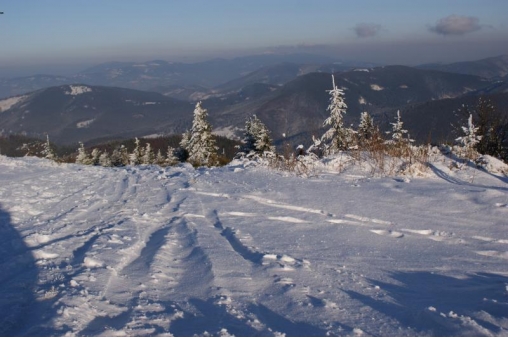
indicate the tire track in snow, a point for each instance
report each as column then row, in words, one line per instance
column 229, row 234
column 250, row 272
column 170, row 269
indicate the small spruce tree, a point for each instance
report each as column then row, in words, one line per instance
column 48, row 151
column 337, row 136
column 105, row 160
column 470, row 139
column 136, row 155
column 400, row 135
column 83, row 157
column 95, row 156
column 120, row 156
column 201, row 144
column 148, row 156
column 366, row 129
column 256, row 137
column 171, row 158
column 159, row 158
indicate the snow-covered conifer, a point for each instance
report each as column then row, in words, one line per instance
column 135, row 156
column 399, row 133
column 201, row 144
column 171, row 158
column 148, row 156
column 48, row 151
column 256, row 137
column 317, row 147
column 470, row 138
column 83, row 157
column 336, row 137
column 184, row 143
column 120, row 156
column 95, row 156
column 366, row 127
column 159, row 159
column 105, row 160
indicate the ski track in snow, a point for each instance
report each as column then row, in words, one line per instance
column 149, row 251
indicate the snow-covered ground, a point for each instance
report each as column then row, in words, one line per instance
column 248, row 251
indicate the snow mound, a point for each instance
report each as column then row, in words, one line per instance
column 493, row 165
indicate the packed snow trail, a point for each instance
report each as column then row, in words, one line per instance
column 246, row 251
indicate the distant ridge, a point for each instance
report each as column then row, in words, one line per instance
column 488, row 68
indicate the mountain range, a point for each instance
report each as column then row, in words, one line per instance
column 495, row 67
column 159, row 74
column 72, row 113
column 292, row 103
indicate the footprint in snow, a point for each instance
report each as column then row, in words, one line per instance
column 285, row 262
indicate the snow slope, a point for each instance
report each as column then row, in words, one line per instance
column 247, row 251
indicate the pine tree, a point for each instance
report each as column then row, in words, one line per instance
column 184, row 143
column 470, row 138
column 366, row 127
column 171, row 159
column 120, row 156
column 95, row 156
column 48, row 151
column 105, row 160
column 159, row 159
column 83, row 158
column 148, row 156
column 336, row 138
column 256, row 137
column 137, row 153
column 398, row 133
column 201, row 144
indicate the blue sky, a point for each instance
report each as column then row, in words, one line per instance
column 64, row 35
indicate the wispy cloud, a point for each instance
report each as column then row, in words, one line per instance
column 367, row 30
column 456, row 25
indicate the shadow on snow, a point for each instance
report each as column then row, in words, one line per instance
column 463, row 306
column 18, row 278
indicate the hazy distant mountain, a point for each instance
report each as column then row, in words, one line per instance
column 487, row 68
column 167, row 77
column 279, row 74
column 16, row 86
column 207, row 74
column 81, row 113
column 181, row 92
